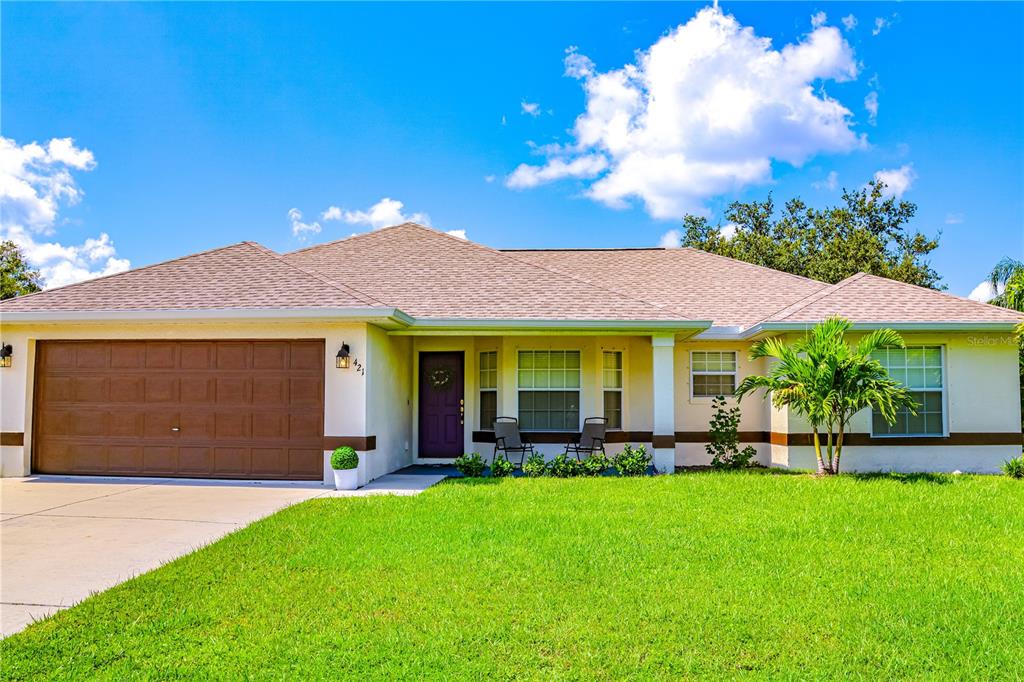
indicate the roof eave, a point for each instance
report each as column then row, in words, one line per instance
column 385, row 317
column 764, row 328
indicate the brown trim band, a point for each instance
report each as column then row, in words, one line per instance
column 773, row 437
column 361, row 443
column 705, row 436
column 667, row 441
column 807, row 439
column 12, row 438
column 563, row 437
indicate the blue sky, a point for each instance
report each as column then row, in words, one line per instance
column 198, row 125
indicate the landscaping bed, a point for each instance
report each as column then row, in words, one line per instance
column 718, row 574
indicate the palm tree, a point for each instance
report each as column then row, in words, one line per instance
column 1007, row 280
column 828, row 381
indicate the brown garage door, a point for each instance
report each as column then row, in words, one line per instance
column 200, row 409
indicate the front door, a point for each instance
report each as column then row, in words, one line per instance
column 442, row 404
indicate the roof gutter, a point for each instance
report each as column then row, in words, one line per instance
column 484, row 326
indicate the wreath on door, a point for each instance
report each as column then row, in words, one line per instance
column 440, row 378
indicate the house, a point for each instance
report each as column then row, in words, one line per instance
column 406, row 343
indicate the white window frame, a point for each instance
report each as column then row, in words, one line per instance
column 549, row 389
column 621, row 390
column 735, row 373
column 943, row 398
column 481, row 389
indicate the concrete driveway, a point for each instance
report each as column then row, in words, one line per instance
column 62, row 539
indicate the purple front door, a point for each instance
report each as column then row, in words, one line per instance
column 442, row 404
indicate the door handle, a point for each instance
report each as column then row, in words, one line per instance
column 175, row 428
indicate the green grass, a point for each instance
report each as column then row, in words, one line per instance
column 705, row 574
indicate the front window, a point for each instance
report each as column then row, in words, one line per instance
column 612, row 383
column 549, row 390
column 919, row 368
column 488, row 389
column 712, row 373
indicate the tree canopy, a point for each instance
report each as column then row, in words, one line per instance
column 16, row 276
column 867, row 232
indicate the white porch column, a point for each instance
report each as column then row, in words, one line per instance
column 664, row 380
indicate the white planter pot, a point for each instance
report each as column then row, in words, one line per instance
column 346, row 479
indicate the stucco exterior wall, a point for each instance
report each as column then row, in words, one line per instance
column 388, row 402
column 982, row 397
column 637, row 389
column 981, row 392
column 345, row 406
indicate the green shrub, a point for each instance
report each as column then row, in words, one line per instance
column 535, row 466
column 595, row 465
column 724, row 447
column 344, row 458
column 1014, row 468
column 471, row 465
column 501, row 467
column 632, row 461
column 564, row 466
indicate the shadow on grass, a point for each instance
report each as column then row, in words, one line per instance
column 924, row 477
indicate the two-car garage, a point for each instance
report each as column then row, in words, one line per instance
column 197, row 408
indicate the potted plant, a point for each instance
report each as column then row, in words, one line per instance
column 345, row 462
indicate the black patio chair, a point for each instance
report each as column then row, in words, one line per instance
column 591, row 440
column 507, row 439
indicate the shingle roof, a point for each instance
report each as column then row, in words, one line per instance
column 868, row 298
column 244, row 275
column 427, row 273
column 696, row 284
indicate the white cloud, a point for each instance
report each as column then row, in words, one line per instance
column 490, row 178
column 526, row 176
column 577, row 65
column 705, row 110
column 301, row 229
column 35, row 182
column 831, row 182
column 849, row 22
column 460, row 234
column 385, row 212
column 530, row 108
column 984, row 292
column 728, row 230
column 881, row 23
column 818, row 19
column 871, row 106
column 897, row 180
column 672, row 239
column 954, row 218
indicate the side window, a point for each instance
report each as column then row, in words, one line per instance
column 712, row 373
column 488, row 389
column 612, row 383
column 919, row 368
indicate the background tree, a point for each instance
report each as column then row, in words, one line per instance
column 866, row 233
column 16, row 276
column 1007, row 280
column 827, row 381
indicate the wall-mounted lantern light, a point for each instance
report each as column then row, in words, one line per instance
column 5, row 355
column 341, row 361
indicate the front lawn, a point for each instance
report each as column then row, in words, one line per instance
column 708, row 574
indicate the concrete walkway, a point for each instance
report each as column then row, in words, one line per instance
column 64, row 538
